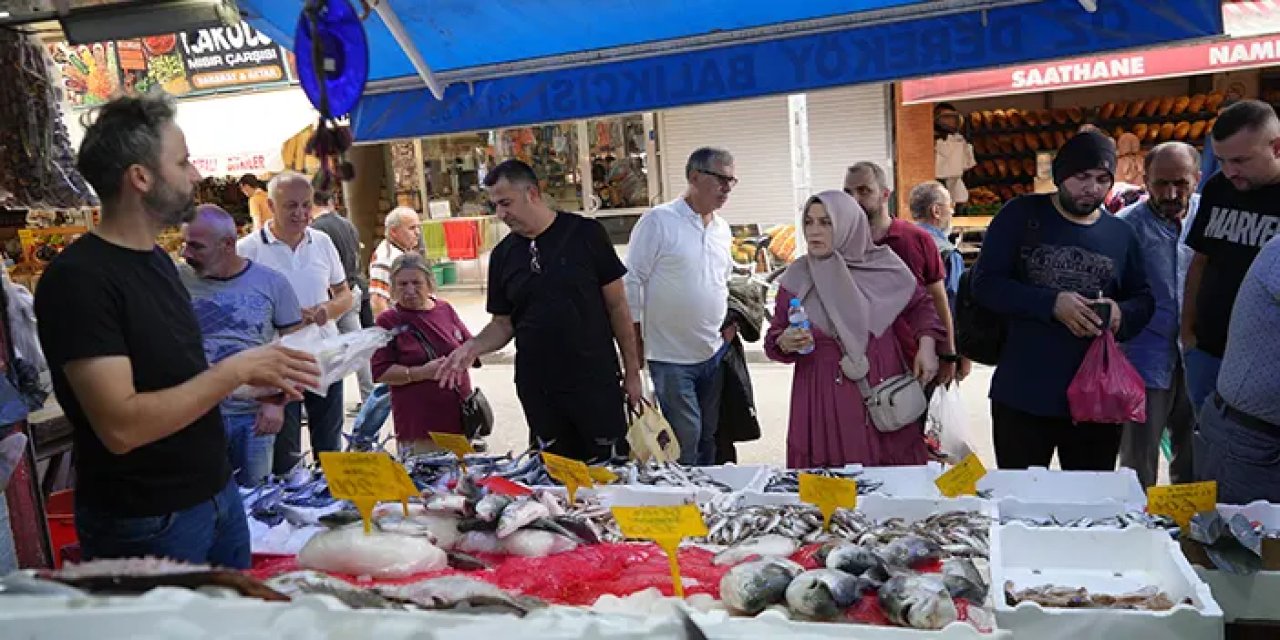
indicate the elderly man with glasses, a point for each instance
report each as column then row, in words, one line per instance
column 555, row 285
column 678, row 268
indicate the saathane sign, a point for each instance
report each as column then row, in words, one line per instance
column 861, row 54
column 1240, row 53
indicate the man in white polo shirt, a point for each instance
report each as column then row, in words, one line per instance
column 678, row 268
column 309, row 261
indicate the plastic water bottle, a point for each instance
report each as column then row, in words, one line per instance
column 799, row 320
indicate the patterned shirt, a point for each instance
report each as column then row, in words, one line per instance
column 241, row 312
column 1249, row 379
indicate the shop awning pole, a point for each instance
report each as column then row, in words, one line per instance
column 402, row 38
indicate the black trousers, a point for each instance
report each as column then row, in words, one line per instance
column 1023, row 440
column 585, row 424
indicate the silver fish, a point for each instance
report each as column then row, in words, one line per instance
column 964, row 581
column 856, row 560
column 448, row 503
column 450, row 592
column 490, row 507
column 766, row 546
column 911, row 551
column 751, row 586
column 917, row 601
column 518, row 514
column 823, row 594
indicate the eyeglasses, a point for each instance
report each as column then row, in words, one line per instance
column 535, row 263
column 727, row 182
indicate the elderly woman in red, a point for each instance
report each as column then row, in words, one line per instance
column 858, row 297
column 410, row 363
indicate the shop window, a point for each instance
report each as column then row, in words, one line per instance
column 454, row 168
column 552, row 151
column 619, row 162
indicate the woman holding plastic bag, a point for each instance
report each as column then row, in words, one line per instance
column 858, row 297
column 430, row 331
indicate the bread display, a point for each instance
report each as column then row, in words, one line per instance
column 1180, row 105
column 1140, row 130
column 1214, row 101
column 1197, row 103
column 1060, row 116
column 1153, row 105
column 1015, row 118
column 1032, row 141
column 1107, row 111
column 1166, row 105
column 1166, row 131
column 1194, row 131
column 1076, row 114
column 1136, row 107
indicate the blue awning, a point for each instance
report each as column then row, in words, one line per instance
column 513, row 63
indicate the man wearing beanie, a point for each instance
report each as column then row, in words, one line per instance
column 1060, row 272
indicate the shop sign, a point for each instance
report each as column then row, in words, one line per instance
column 234, row 164
column 239, row 55
column 1172, row 62
column 857, row 55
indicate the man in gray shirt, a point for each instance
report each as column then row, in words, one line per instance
column 347, row 241
column 239, row 305
column 1238, row 440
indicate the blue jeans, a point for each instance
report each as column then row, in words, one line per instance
column 212, row 532
column 324, row 419
column 689, row 395
column 1202, row 376
column 250, row 453
column 1244, row 461
column 373, row 414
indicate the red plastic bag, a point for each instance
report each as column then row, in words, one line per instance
column 1107, row 389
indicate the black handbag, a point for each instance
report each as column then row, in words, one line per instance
column 477, row 413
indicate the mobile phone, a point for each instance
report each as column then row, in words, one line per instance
column 1103, row 309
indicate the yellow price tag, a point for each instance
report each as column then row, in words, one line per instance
column 1181, row 501
column 571, row 473
column 366, row 479
column 455, row 442
column 666, row 526
column 828, row 494
column 962, row 479
column 601, row 475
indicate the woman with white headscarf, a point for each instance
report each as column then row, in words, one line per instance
column 860, row 299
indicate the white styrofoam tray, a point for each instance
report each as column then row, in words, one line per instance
column 912, row 481
column 1255, row 597
column 1110, row 561
column 1051, row 486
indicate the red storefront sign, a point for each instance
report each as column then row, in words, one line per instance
column 1210, row 57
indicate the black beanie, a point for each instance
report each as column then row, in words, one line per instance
column 1086, row 151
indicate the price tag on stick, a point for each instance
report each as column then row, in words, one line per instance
column 666, row 526
column 828, row 494
column 455, row 442
column 601, row 475
column 366, row 479
column 1181, row 501
column 962, row 479
column 571, row 473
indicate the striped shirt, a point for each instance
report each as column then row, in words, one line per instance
column 380, row 269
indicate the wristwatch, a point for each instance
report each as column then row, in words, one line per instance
column 949, row 358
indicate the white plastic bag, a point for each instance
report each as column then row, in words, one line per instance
column 949, row 424
column 337, row 356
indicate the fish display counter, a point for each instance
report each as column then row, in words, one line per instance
column 500, row 547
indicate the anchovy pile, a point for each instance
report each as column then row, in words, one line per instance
column 958, row 533
column 788, row 480
column 669, row 474
column 1126, row 519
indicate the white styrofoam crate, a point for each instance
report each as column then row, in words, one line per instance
column 1255, row 597
column 1110, row 561
column 1050, row 486
column 1061, row 511
column 913, row 481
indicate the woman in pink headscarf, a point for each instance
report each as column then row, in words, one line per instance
column 858, row 296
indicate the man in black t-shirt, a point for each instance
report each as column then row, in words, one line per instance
column 1239, row 212
column 555, row 284
column 127, row 361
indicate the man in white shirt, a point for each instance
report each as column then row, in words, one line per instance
column 678, row 268
column 403, row 234
column 309, row 261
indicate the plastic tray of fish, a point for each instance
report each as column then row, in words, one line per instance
column 1105, row 562
column 1039, row 485
column 1251, row 597
column 900, row 482
column 1110, row 514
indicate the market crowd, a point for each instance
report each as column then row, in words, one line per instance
column 179, row 391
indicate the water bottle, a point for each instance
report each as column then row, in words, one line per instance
column 799, row 320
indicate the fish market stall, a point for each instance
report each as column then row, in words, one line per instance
column 500, row 547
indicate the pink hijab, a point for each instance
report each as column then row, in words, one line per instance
column 859, row 289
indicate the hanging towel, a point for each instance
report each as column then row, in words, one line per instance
column 433, row 239
column 460, row 236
